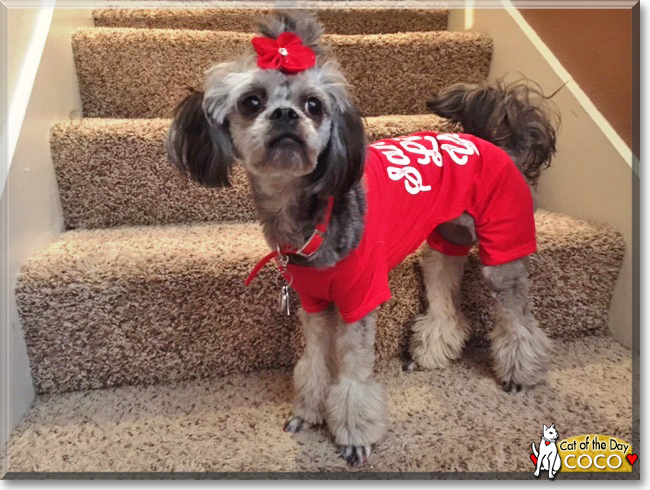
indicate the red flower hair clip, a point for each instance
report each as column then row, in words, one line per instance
column 287, row 53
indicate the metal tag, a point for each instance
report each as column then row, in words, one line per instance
column 285, row 301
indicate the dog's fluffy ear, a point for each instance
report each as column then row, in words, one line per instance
column 200, row 148
column 341, row 165
column 303, row 23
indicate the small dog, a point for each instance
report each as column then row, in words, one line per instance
column 547, row 457
column 323, row 196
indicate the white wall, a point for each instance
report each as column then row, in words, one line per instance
column 591, row 177
column 26, row 32
column 21, row 24
column 34, row 217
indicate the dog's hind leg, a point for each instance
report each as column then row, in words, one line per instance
column 357, row 413
column 311, row 375
column 439, row 335
column 519, row 347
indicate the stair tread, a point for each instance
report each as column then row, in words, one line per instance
column 147, row 304
column 223, row 242
column 362, row 18
column 125, row 72
column 115, row 172
column 438, row 420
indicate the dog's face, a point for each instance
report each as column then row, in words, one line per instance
column 298, row 128
column 279, row 124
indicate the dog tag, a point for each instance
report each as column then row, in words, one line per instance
column 285, row 302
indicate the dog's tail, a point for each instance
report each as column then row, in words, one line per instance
column 514, row 116
column 534, row 449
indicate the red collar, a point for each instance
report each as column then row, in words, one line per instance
column 307, row 250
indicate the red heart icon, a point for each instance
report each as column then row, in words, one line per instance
column 533, row 458
column 632, row 458
column 547, row 442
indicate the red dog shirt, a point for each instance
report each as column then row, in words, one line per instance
column 414, row 183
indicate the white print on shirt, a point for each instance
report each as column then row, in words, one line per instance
column 410, row 144
column 412, row 179
column 413, row 182
column 392, row 153
column 466, row 148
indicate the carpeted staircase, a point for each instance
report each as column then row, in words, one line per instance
column 145, row 288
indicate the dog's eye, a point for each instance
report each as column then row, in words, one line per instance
column 313, row 107
column 251, row 105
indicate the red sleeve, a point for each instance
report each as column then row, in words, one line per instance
column 313, row 305
column 363, row 286
column 506, row 224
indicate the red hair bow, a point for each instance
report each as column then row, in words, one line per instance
column 287, row 53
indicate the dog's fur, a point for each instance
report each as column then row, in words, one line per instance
column 548, row 458
column 296, row 157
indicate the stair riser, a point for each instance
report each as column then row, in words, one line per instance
column 117, row 173
column 335, row 21
column 98, row 319
column 131, row 73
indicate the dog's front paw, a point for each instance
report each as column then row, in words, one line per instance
column 355, row 455
column 536, row 473
column 295, row 424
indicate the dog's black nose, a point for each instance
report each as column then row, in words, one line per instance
column 283, row 114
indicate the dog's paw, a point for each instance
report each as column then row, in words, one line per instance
column 511, row 387
column 295, row 424
column 410, row 367
column 437, row 341
column 355, row 455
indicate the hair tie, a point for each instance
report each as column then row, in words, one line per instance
column 287, row 53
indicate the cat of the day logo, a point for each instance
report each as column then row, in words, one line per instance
column 588, row 453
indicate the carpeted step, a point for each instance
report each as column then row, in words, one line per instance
column 108, row 307
column 456, row 419
column 131, row 73
column 357, row 20
column 116, row 172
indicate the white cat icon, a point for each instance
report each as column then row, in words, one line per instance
column 547, row 458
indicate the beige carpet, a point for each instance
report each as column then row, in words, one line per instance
column 147, row 304
column 362, row 19
column 452, row 420
column 131, row 73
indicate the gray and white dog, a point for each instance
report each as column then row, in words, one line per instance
column 301, row 140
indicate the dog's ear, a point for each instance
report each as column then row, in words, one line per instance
column 200, row 148
column 553, row 426
column 545, row 428
column 340, row 165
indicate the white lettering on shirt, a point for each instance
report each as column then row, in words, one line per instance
column 465, row 148
column 424, row 150
column 432, row 155
column 412, row 179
